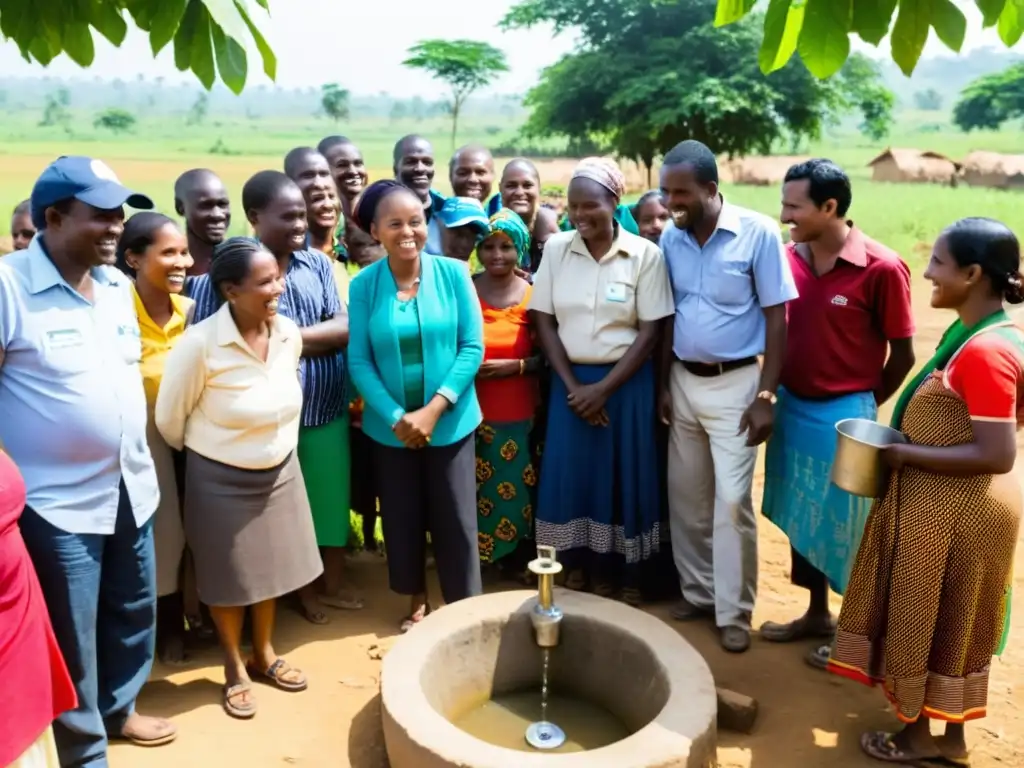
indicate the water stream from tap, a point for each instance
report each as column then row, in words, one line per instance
column 544, row 686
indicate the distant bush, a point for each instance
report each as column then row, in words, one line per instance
column 492, row 130
column 519, row 147
column 220, row 148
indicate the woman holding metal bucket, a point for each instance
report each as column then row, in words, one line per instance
column 928, row 599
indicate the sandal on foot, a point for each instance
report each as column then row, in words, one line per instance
column 880, row 746
column 313, row 616
column 630, row 596
column 819, row 657
column 576, row 580
column 235, row 702
column 277, row 675
column 800, row 629
column 344, row 601
column 413, row 619
column 163, row 732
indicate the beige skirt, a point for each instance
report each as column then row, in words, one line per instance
column 42, row 753
column 250, row 531
column 168, row 530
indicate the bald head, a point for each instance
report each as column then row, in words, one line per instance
column 201, row 198
column 471, row 172
column 414, row 164
column 300, row 159
column 195, row 179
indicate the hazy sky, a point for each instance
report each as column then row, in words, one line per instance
column 361, row 44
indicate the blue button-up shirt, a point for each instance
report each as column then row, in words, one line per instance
column 310, row 297
column 72, row 406
column 720, row 289
column 433, row 224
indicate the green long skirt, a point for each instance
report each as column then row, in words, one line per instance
column 325, row 460
column 506, row 483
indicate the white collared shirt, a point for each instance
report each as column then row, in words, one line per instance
column 72, row 404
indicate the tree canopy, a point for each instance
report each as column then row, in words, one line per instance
column 465, row 65
column 649, row 73
column 991, row 100
column 334, row 101
column 209, row 36
column 819, row 30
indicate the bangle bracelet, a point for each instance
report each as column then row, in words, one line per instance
column 522, row 367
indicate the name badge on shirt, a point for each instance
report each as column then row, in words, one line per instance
column 64, row 338
column 128, row 330
column 615, row 292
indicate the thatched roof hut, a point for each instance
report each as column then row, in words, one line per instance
column 758, row 171
column 991, row 169
column 914, row 166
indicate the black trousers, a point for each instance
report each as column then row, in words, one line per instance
column 430, row 490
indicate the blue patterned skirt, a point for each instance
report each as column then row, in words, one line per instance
column 600, row 501
column 823, row 522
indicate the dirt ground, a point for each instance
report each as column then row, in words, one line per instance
column 808, row 719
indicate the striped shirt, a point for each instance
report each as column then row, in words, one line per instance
column 310, row 297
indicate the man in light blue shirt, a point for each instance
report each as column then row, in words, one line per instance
column 414, row 167
column 731, row 281
column 73, row 417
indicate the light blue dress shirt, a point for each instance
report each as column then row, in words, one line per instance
column 721, row 289
column 72, row 406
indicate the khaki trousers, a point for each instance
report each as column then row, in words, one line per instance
column 710, row 474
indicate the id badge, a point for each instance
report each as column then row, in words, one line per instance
column 615, row 292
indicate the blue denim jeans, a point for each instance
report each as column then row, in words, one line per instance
column 101, row 594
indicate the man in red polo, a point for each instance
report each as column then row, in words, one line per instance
column 849, row 348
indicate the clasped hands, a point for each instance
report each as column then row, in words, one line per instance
column 415, row 428
column 587, row 401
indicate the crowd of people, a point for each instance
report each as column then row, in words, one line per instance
column 187, row 419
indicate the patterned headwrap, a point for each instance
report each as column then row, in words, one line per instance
column 364, row 210
column 507, row 222
column 604, row 172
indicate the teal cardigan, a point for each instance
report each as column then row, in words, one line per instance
column 452, row 331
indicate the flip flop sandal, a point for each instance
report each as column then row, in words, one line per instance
column 241, row 710
column 274, row 675
column 314, row 616
column 880, row 746
column 158, row 741
column 412, row 620
column 350, row 603
column 818, row 658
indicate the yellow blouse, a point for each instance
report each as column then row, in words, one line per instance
column 157, row 341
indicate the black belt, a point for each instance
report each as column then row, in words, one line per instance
column 708, row 370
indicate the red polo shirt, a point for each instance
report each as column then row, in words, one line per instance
column 842, row 322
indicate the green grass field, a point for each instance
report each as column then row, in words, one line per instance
column 907, row 217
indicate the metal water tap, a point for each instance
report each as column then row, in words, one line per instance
column 546, row 616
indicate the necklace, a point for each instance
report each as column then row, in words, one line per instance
column 413, row 284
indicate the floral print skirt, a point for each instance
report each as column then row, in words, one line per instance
column 506, row 484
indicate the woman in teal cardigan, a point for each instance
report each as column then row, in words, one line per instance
column 415, row 345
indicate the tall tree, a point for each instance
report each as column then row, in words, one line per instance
column 209, row 36
column 819, row 30
column 465, row 65
column 647, row 74
column 991, row 100
column 334, row 100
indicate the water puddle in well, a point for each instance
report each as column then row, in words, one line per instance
column 503, row 720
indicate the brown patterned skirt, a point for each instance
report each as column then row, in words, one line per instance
column 923, row 613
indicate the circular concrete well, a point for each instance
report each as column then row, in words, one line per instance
column 623, row 660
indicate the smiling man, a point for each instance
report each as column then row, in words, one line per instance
column 414, row 167
column 849, row 348
column 73, row 418
column 731, row 281
column 471, row 172
column 202, row 200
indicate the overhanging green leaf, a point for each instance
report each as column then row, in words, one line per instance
column 225, row 14
column 824, row 41
column 729, row 11
column 201, row 56
column 782, row 26
column 269, row 59
column 990, row 10
column 910, row 33
column 949, row 24
column 185, row 33
column 165, row 23
column 108, row 21
column 1011, row 22
column 41, row 50
column 142, row 11
column 78, row 44
column 231, row 61
column 871, row 19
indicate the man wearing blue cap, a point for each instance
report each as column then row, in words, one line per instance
column 463, row 225
column 73, row 417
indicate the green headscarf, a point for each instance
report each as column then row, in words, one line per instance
column 510, row 224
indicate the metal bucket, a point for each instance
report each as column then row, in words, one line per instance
column 859, row 467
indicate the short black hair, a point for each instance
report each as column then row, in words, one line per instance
column 522, row 162
column 330, row 142
column 696, row 155
column 139, row 233
column 645, row 198
column 261, row 189
column 230, row 263
column 992, row 246
column 22, row 208
column 399, row 150
column 294, row 159
column 189, row 180
column 825, row 181
column 468, row 149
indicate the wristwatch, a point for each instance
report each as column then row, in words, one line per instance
column 764, row 394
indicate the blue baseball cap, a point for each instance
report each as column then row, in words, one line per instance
column 464, row 212
column 85, row 179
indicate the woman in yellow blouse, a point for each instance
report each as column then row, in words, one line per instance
column 231, row 398
column 154, row 253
